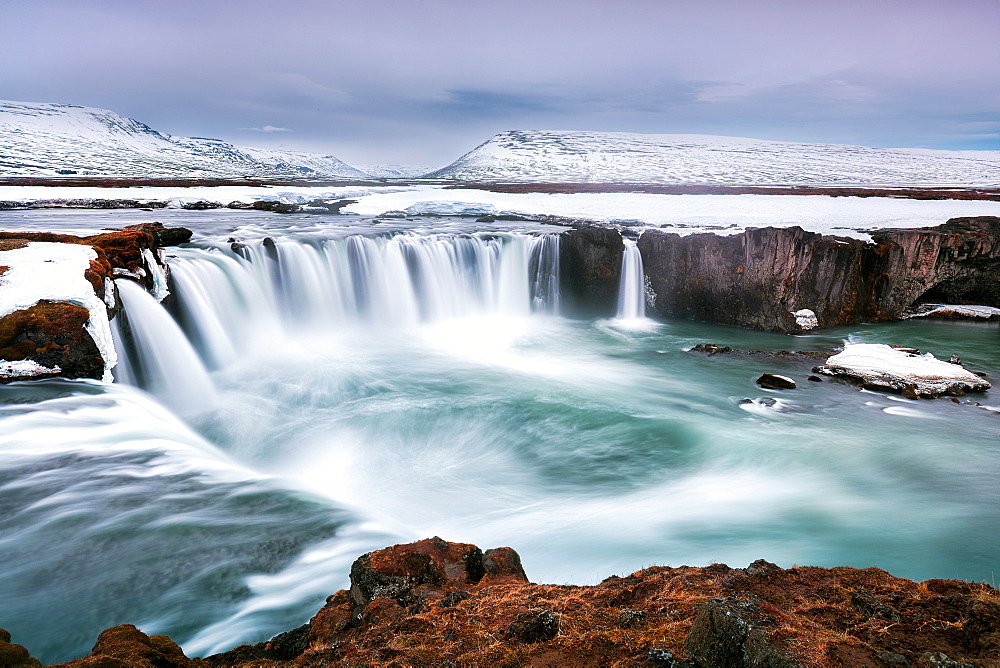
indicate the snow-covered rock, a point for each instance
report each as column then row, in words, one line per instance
column 25, row 369
column 901, row 369
column 52, row 140
column 55, row 272
column 621, row 157
column 956, row 312
column 806, row 319
column 449, row 208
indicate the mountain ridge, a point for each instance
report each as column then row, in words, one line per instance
column 689, row 159
column 55, row 139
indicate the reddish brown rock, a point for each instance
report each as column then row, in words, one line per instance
column 12, row 654
column 762, row 615
column 404, row 572
column 126, row 646
column 53, row 335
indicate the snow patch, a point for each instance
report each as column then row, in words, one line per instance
column 160, row 289
column 450, row 208
column 20, row 368
column 956, row 311
column 896, row 368
column 806, row 319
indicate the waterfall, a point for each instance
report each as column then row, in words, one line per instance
column 156, row 354
column 229, row 301
column 631, row 290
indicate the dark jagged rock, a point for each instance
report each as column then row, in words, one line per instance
column 277, row 207
column 164, row 236
column 729, row 633
column 327, row 206
column 772, row 382
column 532, row 628
column 590, row 265
column 201, row 205
column 759, row 278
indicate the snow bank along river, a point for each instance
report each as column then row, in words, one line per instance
column 357, row 385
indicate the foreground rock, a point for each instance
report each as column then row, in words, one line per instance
column 435, row 603
column 790, row 280
column 902, row 369
column 57, row 297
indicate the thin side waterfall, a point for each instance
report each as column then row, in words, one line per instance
column 631, row 290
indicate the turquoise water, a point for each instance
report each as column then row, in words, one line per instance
column 592, row 447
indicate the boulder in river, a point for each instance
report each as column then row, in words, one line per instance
column 902, row 369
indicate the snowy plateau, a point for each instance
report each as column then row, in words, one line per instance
column 53, row 140
column 620, row 157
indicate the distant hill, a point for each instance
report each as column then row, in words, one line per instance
column 52, row 140
column 394, row 171
column 621, row 157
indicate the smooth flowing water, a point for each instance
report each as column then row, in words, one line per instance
column 329, row 393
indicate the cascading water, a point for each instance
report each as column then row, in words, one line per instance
column 370, row 390
column 631, row 290
column 161, row 358
column 227, row 301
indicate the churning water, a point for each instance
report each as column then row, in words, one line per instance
column 332, row 392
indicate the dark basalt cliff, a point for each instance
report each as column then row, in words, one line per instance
column 435, row 603
column 758, row 278
column 590, row 267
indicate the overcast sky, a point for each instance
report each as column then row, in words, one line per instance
column 423, row 81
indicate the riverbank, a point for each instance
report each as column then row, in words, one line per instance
column 435, row 603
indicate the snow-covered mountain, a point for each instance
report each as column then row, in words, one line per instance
column 394, row 171
column 38, row 139
column 622, row 157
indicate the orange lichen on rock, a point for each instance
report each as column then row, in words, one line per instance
column 128, row 647
column 417, row 605
column 54, row 335
column 12, row 243
column 12, row 654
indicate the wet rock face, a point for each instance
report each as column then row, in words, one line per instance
column 956, row 263
column 762, row 277
column 590, row 267
column 757, row 279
